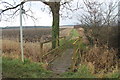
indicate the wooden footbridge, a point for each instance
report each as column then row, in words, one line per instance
column 64, row 57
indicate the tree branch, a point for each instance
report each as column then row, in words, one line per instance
column 11, row 7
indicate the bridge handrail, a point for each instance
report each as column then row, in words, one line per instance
column 41, row 47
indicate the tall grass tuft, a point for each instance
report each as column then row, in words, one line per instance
column 31, row 50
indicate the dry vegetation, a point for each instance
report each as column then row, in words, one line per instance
column 31, row 50
column 29, row 34
column 102, row 56
column 101, row 59
column 32, row 38
column 104, row 35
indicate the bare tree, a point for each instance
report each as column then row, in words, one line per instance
column 110, row 15
column 91, row 15
column 54, row 6
column 98, row 13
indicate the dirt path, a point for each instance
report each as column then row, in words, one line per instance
column 61, row 64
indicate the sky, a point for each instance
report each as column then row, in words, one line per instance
column 44, row 18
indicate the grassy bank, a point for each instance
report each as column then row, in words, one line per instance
column 85, row 71
column 14, row 68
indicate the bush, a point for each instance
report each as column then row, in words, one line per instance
column 102, row 58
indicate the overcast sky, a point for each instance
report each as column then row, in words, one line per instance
column 44, row 18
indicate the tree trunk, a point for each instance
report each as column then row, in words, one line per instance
column 55, row 7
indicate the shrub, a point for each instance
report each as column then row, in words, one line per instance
column 102, row 58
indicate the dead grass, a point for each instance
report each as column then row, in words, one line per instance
column 31, row 50
column 29, row 34
column 101, row 59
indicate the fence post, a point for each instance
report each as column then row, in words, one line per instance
column 41, row 51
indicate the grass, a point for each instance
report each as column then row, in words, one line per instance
column 100, row 58
column 15, row 68
column 113, row 75
column 11, row 48
column 74, row 33
column 69, row 40
column 84, row 71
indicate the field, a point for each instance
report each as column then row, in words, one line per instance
column 100, row 59
column 30, row 35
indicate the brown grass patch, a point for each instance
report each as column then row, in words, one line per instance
column 31, row 50
column 101, row 58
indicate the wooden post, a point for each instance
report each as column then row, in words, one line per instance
column 74, row 59
column 42, row 55
column 41, row 51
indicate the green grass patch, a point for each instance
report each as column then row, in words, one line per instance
column 113, row 75
column 74, row 33
column 69, row 40
column 14, row 68
column 83, row 72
